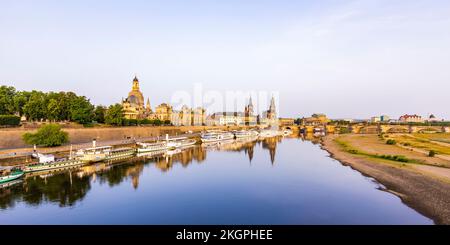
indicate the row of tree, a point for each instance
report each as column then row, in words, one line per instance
column 62, row 106
column 56, row 106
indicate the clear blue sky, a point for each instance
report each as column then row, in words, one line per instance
column 344, row 58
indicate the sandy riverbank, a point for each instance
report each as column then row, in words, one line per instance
column 425, row 192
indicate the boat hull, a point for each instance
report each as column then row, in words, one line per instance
column 55, row 165
column 10, row 177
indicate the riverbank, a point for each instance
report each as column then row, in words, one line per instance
column 14, row 151
column 12, row 138
column 423, row 187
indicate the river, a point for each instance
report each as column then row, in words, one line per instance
column 271, row 181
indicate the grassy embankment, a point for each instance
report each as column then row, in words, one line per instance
column 345, row 146
column 391, row 148
column 439, row 143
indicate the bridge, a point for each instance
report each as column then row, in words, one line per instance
column 370, row 129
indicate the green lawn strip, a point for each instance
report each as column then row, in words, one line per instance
column 395, row 158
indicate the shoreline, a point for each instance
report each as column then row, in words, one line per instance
column 427, row 195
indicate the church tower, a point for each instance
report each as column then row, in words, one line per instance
column 135, row 84
column 272, row 113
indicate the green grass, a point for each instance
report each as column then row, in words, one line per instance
column 422, row 143
column 395, row 158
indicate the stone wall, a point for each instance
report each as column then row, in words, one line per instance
column 12, row 137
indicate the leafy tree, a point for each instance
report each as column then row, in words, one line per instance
column 19, row 100
column 48, row 135
column 54, row 110
column 99, row 114
column 35, row 108
column 7, row 100
column 81, row 110
column 114, row 115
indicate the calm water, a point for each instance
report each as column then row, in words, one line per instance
column 275, row 181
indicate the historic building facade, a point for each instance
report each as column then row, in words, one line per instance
column 188, row 117
column 134, row 106
column 163, row 112
column 249, row 117
column 269, row 117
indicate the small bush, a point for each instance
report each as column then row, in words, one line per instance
column 406, row 144
column 352, row 151
column 391, row 142
column 397, row 158
column 9, row 120
column 145, row 121
column 48, row 135
column 431, row 153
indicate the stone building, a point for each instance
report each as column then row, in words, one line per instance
column 199, row 116
column 269, row 117
column 249, row 117
column 133, row 105
column 163, row 112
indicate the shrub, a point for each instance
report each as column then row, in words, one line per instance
column 132, row 122
column 48, row 135
column 397, row 158
column 391, row 142
column 9, row 120
column 431, row 153
column 145, row 121
column 352, row 151
column 344, row 130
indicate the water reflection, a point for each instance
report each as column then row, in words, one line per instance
column 253, row 181
column 69, row 186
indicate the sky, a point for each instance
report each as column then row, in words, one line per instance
column 348, row 59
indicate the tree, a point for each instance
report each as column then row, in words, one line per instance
column 35, row 108
column 54, row 110
column 48, row 135
column 99, row 114
column 7, row 100
column 81, row 110
column 114, row 115
column 20, row 99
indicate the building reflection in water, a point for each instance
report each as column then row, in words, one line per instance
column 66, row 187
column 271, row 145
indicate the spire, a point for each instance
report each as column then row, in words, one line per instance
column 148, row 103
column 250, row 103
column 272, row 104
column 135, row 84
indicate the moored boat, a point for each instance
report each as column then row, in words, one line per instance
column 94, row 154
column 268, row 133
column 245, row 134
column 120, row 153
column 59, row 163
column 180, row 142
column 212, row 136
column 150, row 147
column 8, row 175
